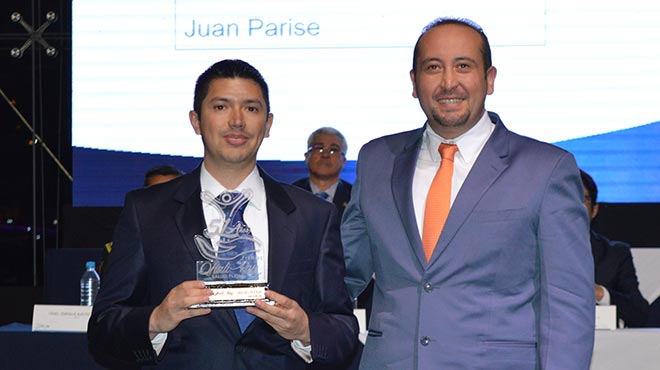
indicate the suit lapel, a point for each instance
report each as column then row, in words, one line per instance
column 402, row 176
column 307, row 185
column 489, row 165
column 190, row 216
column 341, row 196
column 281, row 238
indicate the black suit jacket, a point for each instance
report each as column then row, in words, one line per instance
column 342, row 194
column 154, row 251
column 615, row 271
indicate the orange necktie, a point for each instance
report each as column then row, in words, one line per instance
column 438, row 200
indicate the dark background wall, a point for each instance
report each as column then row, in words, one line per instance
column 32, row 188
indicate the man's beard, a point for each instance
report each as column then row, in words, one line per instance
column 454, row 122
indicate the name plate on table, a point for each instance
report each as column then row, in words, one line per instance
column 606, row 317
column 48, row 317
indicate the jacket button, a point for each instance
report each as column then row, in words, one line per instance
column 425, row 341
column 428, row 287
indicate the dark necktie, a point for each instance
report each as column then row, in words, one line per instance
column 323, row 195
column 237, row 234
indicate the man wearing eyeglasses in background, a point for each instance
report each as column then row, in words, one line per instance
column 325, row 158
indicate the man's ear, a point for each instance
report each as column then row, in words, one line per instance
column 595, row 211
column 269, row 124
column 412, row 79
column 490, row 79
column 194, row 122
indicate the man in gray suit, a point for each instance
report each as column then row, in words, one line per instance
column 508, row 282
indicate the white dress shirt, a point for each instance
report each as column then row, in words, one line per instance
column 255, row 214
column 469, row 146
column 605, row 300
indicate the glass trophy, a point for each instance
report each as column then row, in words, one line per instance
column 234, row 267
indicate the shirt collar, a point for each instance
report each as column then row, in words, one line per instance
column 330, row 191
column 469, row 143
column 253, row 182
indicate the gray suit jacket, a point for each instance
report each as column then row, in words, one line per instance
column 510, row 284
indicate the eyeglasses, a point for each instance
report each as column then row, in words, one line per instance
column 318, row 149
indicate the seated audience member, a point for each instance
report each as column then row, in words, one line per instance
column 153, row 176
column 325, row 158
column 616, row 279
column 161, row 174
column 654, row 314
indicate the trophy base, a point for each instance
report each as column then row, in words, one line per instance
column 227, row 295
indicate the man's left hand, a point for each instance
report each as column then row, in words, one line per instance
column 285, row 316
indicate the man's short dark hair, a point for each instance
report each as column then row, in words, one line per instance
column 485, row 45
column 590, row 185
column 164, row 170
column 228, row 68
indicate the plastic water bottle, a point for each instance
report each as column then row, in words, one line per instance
column 89, row 284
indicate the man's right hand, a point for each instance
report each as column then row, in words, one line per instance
column 174, row 308
column 600, row 292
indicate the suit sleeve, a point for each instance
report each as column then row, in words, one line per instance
column 631, row 306
column 333, row 327
column 118, row 329
column 355, row 239
column 567, row 300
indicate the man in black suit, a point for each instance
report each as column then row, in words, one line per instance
column 616, row 279
column 161, row 174
column 325, row 158
column 143, row 315
column 153, row 176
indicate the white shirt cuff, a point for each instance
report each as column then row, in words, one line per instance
column 159, row 342
column 305, row 352
column 605, row 301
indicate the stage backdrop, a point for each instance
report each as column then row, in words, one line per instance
column 582, row 74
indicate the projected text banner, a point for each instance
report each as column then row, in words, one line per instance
column 205, row 24
column 567, row 71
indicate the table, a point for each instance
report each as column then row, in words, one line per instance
column 626, row 349
column 22, row 349
column 622, row 349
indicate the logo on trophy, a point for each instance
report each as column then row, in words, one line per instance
column 232, row 255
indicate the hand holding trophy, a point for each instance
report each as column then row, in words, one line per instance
column 232, row 255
